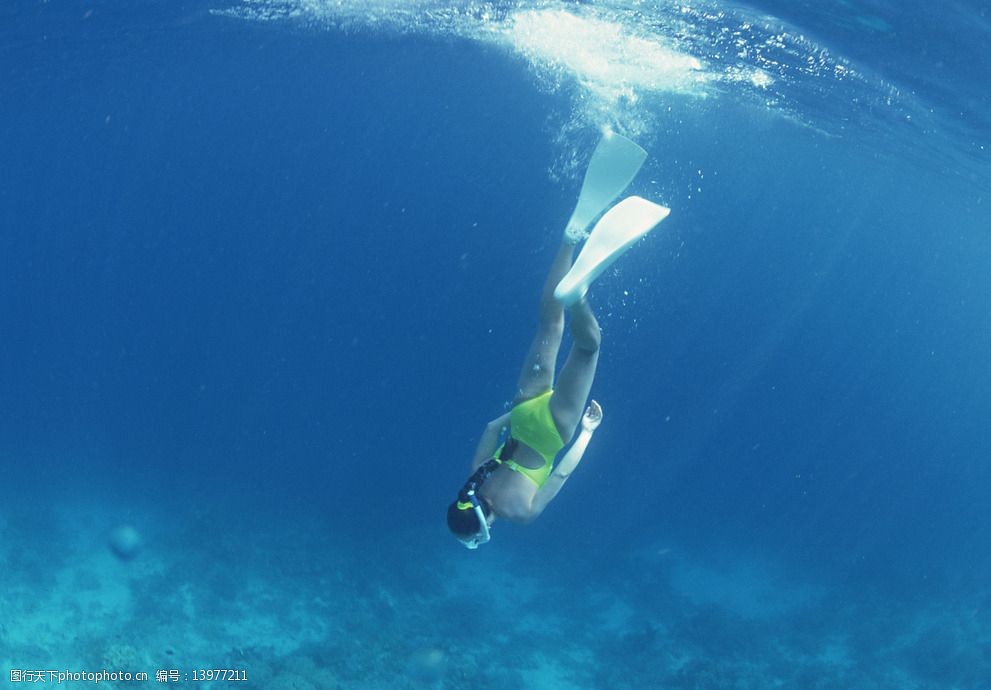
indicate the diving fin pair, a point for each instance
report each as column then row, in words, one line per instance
column 615, row 162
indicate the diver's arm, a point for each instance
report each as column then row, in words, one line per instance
column 489, row 441
column 567, row 465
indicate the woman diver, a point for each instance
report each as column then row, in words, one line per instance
column 517, row 479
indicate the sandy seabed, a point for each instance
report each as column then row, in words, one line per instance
column 301, row 609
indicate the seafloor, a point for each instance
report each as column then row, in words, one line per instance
column 299, row 610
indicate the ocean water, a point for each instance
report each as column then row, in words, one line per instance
column 267, row 267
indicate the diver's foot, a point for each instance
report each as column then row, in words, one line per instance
column 618, row 230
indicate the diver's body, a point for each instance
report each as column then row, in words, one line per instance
column 514, row 495
column 517, row 478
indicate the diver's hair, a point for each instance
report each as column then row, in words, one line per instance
column 464, row 523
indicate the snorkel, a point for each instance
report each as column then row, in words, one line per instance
column 468, row 500
column 483, row 535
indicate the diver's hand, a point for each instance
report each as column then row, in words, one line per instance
column 593, row 417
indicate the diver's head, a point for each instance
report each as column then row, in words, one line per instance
column 469, row 517
column 469, row 521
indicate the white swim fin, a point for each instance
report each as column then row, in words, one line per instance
column 616, row 231
column 613, row 166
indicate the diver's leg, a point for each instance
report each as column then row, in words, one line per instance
column 537, row 375
column 575, row 382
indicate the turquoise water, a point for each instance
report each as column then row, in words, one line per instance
column 268, row 268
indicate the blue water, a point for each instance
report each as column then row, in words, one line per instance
column 267, row 269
